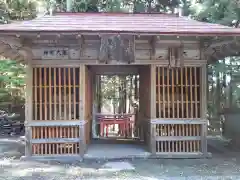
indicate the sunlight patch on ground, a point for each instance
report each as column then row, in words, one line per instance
column 78, row 171
column 117, row 166
column 5, row 162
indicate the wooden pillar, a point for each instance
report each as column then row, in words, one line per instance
column 82, row 143
column 153, row 107
column 204, row 92
column 28, row 109
column 204, row 109
column 153, row 91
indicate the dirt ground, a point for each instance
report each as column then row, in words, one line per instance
column 225, row 164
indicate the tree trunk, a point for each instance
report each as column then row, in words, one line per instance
column 69, row 5
column 218, row 93
column 149, row 9
column 230, row 86
column 134, row 6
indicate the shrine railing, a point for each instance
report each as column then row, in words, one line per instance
column 117, row 126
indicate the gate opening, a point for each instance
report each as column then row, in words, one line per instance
column 116, row 106
column 116, row 123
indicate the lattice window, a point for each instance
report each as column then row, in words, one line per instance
column 56, row 93
column 178, row 92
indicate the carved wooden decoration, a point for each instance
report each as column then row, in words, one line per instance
column 175, row 56
column 116, row 47
column 13, row 42
column 4, row 47
column 104, row 49
column 153, row 42
column 128, row 45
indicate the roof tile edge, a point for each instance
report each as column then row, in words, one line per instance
column 114, row 13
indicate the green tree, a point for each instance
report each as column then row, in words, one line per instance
column 217, row 11
column 17, row 10
column 12, row 83
column 224, row 89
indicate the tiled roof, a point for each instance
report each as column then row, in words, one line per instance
column 122, row 23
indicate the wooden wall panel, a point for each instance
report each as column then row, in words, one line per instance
column 181, row 133
column 178, row 146
column 56, row 97
column 44, row 149
column 178, row 103
column 55, row 132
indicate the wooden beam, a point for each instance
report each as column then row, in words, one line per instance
column 182, row 35
column 55, row 140
column 178, row 121
column 178, row 138
column 51, row 123
column 217, row 44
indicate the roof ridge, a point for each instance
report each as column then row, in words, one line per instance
column 114, row 13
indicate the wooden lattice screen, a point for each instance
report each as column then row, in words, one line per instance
column 56, row 97
column 178, row 127
column 178, row 92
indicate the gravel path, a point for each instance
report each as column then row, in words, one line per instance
column 144, row 170
column 224, row 165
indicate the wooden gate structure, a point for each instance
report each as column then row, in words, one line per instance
column 171, row 53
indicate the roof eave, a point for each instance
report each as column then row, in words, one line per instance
column 71, row 32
